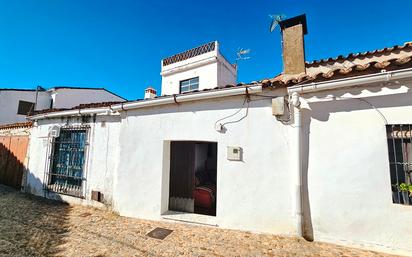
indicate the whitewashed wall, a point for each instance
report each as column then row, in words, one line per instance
column 70, row 97
column 9, row 104
column 345, row 164
column 212, row 69
column 207, row 78
column 227, row 75
column 347, row 167
column 101, row 162
column 253, row 194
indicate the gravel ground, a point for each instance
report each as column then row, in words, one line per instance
column 33, row 226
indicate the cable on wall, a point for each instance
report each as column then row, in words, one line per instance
column 220, row 127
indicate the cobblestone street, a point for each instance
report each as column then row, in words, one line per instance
column 32, row 226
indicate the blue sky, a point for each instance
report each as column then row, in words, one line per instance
column 119, row 44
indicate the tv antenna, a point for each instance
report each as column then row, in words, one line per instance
column 242, row 54
column 276, row 18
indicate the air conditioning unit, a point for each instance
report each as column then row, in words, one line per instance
column 54, row 131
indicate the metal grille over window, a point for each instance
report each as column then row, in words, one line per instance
column 400, row 161
column 68, row 157
column 189, row 85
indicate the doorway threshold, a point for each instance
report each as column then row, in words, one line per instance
column 190, row 218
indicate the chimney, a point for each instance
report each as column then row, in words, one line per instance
column 149, row 93
column 293, row 44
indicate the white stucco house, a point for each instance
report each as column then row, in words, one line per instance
column 200, row 68
column 319, row 151
column 15, row 104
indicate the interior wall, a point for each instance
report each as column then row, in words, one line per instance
column 200, row 156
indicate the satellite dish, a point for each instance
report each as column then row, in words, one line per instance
column 276, row 18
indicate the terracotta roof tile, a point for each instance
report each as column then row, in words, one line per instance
column 81, row 106
column 16, row 125
column 354, row 64
column 358, row 55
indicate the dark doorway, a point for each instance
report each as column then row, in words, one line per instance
column 193, row 172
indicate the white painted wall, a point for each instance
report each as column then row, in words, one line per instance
column 9, row 103
column 348, row 198
column 70, row 97
column 212, row 69
column 227, row 74
column 252, row 194
column 347, row 166
column 207, row 79
column 101, row 162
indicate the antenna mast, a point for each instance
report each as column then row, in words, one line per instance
column 241, row 55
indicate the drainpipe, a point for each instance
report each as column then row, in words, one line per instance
column 297, row 164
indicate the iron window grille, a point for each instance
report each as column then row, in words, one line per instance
column 189, row 85
column 400, row 161
column 68, row 156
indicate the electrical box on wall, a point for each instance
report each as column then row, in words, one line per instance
column 278, row 106
column 234, row 153
column 54, row 131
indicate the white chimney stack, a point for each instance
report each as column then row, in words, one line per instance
column 149, row 93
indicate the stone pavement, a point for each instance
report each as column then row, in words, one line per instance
column 33, row 226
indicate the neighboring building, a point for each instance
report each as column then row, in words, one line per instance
column 197, row 69
column 319, row 151
column 15, row 104
column 14, row 142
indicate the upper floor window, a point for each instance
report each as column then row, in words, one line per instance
column 25, row 107
column 189, row 85
column 400, row 160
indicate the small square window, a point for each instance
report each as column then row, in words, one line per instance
column 189, row 85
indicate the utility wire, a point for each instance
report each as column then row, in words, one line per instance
column 246, row 100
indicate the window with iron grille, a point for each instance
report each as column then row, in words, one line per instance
column 189, row 85
column 400, row 161
column 68, row 158
column 25, row 107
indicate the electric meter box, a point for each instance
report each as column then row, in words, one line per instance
column 234, row 153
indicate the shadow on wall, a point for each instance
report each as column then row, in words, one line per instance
column 307, row 216
column 31, row 225
column 321, row 111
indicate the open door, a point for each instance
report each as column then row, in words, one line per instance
column 182, row 164
column 193, row 173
